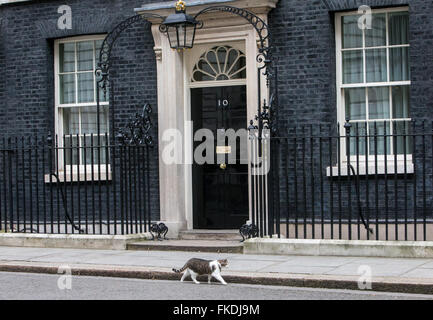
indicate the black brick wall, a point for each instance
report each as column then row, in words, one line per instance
column 28, row 31
column 304, row 41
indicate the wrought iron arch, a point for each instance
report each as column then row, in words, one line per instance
column 103, row 68
column 103, row 72
column 259, row 25
column 267, row 113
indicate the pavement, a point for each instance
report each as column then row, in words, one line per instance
column 385, row 274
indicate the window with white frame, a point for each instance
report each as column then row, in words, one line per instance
column 76, row 108
column 373, row 80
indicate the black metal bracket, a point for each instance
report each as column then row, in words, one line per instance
column 158, row 229
column 248, row 231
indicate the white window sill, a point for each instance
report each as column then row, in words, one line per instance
column 66, row 177
column 372, row 170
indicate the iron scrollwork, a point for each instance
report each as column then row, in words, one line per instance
column 137, row 131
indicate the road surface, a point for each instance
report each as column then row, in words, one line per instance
column 25, row 286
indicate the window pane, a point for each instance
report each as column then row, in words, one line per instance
column 90, row 157
column 85, row 87
column 376, row 36
column 399, row 64
column 98, row 153
column 378, row 103
column 376, row 65
column 103, row 97
column 71, row 144
column 67, row 57
column 98, row 45
column 352, row 67
column 71, row 121
column 239, row 71
column 206, row 72
column 67, row 88
column 400, row 102
column 352, row 34
column 85, row 56
column 355, row 103
column 358, row 142
column 89, row 120
column 212, row 60
column 379, row 141
column 403, row 138
column 398, row 28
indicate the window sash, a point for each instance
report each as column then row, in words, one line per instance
column 342, row 87
column 364, row 50
column 59, row 107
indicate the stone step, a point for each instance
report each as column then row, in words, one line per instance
column 225, row 235
column 218, row 246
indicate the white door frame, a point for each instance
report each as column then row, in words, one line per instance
column 174, row 108
column 201, row 46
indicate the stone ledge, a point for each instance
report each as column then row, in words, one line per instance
column 356, row 248
column 71, row 241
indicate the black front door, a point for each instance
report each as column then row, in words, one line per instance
column 220, row 193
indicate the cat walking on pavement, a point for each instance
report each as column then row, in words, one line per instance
column 195, row 267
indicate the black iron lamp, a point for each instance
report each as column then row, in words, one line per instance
column 180, row 28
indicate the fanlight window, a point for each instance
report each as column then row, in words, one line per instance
column 220, row 63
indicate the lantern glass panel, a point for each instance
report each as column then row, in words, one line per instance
column 172, row 37
column 189, row 39
column 183, row 35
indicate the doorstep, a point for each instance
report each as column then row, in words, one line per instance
column 208, row 234
column 217, row 246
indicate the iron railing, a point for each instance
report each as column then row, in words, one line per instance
column 371, row 181
column 74, row 184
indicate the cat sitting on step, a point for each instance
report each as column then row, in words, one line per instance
column 195, row 267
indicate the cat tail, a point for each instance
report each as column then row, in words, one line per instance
column 180, row 270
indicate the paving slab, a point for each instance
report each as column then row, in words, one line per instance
column 353, row 269
column 318, row 261
column 291, row 269
column 254, row 257
column 418, row 273
column 428, row 265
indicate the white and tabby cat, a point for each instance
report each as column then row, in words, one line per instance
column 195, row 267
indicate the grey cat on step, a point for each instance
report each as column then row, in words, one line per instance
column 195, row 267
